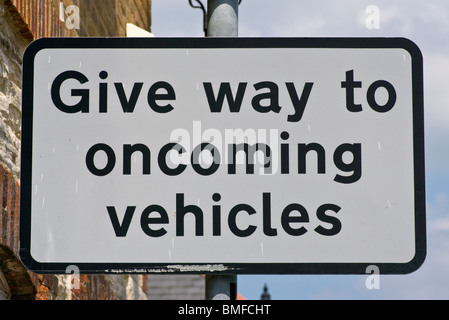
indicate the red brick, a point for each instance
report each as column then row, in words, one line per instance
column 40, row 18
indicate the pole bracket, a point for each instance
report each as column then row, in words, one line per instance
column 201, row 6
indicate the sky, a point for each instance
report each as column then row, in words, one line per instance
column 426, row 23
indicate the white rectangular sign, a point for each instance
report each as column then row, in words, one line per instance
column 223, row 155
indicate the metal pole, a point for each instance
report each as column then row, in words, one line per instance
column 222, row 18
column 222, row 21
column 221, row 287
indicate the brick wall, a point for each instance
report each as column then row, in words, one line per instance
column 22, row 21
column 44, row 18
column 176, row 287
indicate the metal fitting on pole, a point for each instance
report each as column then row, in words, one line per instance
column 222, row 18
column 221, row 287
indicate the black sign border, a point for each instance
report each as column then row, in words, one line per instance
column 222, row 268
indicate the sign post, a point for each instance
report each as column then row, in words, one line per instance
column 222, row 21
column 222, row 18
column 303, row 156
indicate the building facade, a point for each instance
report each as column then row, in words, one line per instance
column 21, row 22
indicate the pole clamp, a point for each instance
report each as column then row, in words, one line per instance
column 201, row 6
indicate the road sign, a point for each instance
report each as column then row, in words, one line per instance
column 229, row 155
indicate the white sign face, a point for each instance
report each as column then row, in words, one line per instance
column 223, row 155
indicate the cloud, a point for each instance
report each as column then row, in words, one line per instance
column 176, row 18
column 438, row 214
column 436, row 80
column 436, row 111
column 431, row 280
